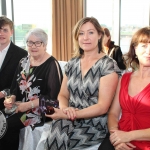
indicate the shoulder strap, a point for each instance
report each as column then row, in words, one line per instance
column 58, row 71
column 111, row 51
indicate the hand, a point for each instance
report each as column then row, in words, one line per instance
column 8, row 103
column 22, row 106
column 2, row 95
column 70, row 112
column 125, row 146
column 118, row 137
column 58, row 114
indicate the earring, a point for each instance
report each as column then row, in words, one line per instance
column 99, row 45
column 81, row 50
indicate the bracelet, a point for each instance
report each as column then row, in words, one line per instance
column 32, row 105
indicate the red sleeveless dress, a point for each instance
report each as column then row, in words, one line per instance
column 135, row 111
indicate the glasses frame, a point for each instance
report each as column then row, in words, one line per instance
column 4, row 30
column 34, row 43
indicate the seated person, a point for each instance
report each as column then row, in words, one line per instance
column 112, row 50
column 38, row 76
column 86, row 93
column 10, row 55
column 132, row 100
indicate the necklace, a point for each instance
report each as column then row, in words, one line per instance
column 38, row 61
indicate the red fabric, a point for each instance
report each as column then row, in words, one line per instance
column 135, row 111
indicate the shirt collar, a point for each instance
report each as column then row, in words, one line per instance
column 6, row 48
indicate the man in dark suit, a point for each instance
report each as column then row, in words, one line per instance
column 10, row 55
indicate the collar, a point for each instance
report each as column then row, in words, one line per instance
column 6, row 48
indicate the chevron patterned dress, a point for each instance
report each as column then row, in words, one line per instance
column 82, row 133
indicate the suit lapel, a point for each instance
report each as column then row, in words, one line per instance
column 8, row 56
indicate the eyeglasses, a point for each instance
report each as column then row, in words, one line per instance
column 37, row 43
column 4, row 30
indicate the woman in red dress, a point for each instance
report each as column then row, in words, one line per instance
column 129, row 115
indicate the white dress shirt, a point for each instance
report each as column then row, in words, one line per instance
column 3, row 54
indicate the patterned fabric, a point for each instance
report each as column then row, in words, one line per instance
column 135, row 111
column 82, row 133
column 34, row 82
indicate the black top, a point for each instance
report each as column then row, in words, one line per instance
column 31, row 82
column 117, row 55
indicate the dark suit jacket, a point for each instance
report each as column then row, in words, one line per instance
column 8, row 68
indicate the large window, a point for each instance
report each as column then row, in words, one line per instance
column 0, row 8
column 121, row 17
column 28, row 14
column 134, row 15
column 106, row 12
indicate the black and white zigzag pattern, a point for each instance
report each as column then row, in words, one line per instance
column 82, row 133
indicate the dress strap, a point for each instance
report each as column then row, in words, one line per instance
column 111, row 51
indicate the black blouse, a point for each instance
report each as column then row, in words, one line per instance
column 32, row 82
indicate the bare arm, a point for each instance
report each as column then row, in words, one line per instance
column 107, row 83
column 107, row 88
column 115, row 110
column 113, row 119
column 140, row 135
column 63, row 95
column 63, row 98
column 118, row 136
column 24, row 106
